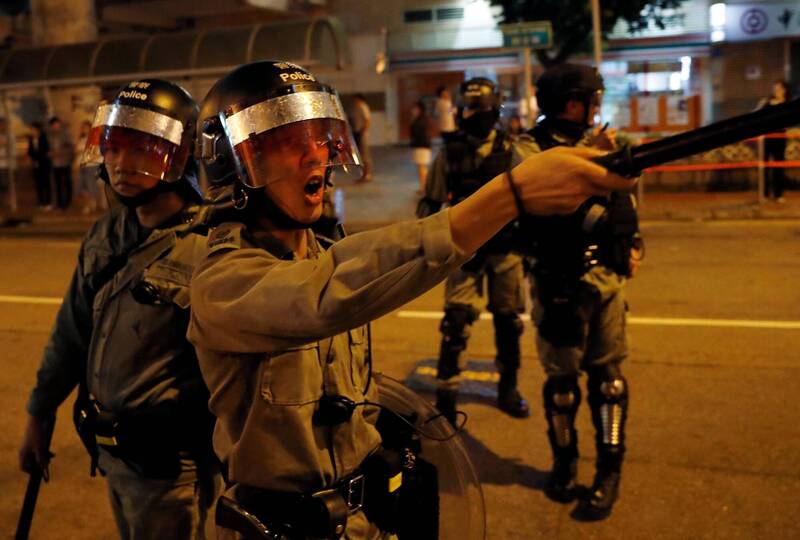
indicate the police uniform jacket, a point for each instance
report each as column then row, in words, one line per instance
column 123, row 321
column 273, row 334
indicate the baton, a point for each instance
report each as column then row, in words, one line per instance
column 37, row 474
column 630, row 161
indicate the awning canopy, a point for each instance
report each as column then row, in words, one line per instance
column 319, row 42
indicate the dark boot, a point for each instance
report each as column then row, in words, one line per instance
column 446, row 403
column 604, row 491
column 509, row 399
column 507, row 330
column 560, row 486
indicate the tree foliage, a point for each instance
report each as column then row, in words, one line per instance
column 572, row 20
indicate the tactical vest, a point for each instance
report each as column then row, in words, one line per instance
column 564, row 247
column 465, row 175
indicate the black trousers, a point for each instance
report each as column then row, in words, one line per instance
column 41, row 177
column 63, row 180
column 774, row 177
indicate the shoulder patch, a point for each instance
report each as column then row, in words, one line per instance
column 225, row 237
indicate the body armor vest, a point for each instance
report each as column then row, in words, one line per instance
column 467, row 173
column 562, row 245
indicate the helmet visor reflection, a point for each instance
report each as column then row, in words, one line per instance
column 148, row 140
column 133, row 151
column 297, row 148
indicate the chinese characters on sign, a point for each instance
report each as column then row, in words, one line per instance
column 744, row 22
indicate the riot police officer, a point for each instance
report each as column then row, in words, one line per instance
column 472, row 156
column 278, row 316
column 120, row 332
column 578, row 273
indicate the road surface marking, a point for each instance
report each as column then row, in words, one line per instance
column 645, row 321
column 30, row 300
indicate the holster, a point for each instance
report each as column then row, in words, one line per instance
column 374, row 488
column 151, row 442
column 562, row 323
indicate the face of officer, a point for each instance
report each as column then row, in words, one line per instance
column 136, row 161
column 124, row 165
column 299, row 166
column 575, row 111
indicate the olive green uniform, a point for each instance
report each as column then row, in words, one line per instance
column 274, row 334
column 579, row 309
column 123, row 321
column 602, row 306
column 495, row 271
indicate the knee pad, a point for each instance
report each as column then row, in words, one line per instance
column 455, row 333
column 455, row 324
column 562, row 396
column 508, row 325
column 508, row 328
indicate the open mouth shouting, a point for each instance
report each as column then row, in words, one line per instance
column 314, row 188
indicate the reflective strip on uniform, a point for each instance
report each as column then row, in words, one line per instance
column 283, row 110
column 145, row 120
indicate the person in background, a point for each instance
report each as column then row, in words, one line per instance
column 578, row 278
column 469, row 159
column 6, row 157
column 775, row 147
column 515, row 128
column 420, row 142
column 62, row 156
column 39, row 152
column 87, row 188
column 361, row 118
column 445, row 113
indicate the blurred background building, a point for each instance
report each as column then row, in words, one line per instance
column 710, row 60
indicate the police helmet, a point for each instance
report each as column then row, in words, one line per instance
column 480, row 94
column 479, row 106
column 154, row 121
column 253, row 116
column 565, row 82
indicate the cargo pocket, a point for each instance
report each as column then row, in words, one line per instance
column 293, row 377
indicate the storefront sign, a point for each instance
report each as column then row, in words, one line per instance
column 535, row 34
column 746, row 22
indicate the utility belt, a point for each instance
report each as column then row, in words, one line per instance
column 150, row 441
column 373, row 488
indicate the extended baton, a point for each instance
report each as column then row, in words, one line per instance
column 632, row 160
column 37, row 474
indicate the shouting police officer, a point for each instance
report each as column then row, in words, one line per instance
column 278, row 318
column 470, row 158
column 579, row 269
column 120, row 332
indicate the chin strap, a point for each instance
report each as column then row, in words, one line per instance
column 568, row 128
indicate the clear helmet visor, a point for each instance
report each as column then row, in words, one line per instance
column 291, row 136
column 129, row 140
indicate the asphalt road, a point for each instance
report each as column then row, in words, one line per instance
column 713, row 436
